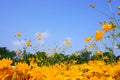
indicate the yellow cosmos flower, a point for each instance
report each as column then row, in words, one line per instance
column 18, row 34
column 89, row 46
column 94, row 78
column 99, row 52
column 22, row 67
column 105, row 57
column 87, row 39
column 21, row 58
column 39, row 36
column 76, row 54
column 28, row 43
column 31, row 59
column 36, row 74
column 68, row 56
column 5, row 63
column 106, row 27
column 93, row 70
column 74, row 62
column 99, row 35
column 67, row 42
column 18, row 51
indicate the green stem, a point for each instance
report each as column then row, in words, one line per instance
column 103, row 13
column 101, row 49
column 113, row 15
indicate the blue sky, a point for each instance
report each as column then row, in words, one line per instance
column 55, row 19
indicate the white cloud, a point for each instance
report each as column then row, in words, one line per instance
column 18, row 43
column 42, row 42
column 44, row 34
column 68, row 38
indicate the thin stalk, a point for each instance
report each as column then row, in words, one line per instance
column 103, row 13
column 101, row 49
column 115, row 19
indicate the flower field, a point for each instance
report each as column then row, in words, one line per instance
column 97, row 60
column 93, row 70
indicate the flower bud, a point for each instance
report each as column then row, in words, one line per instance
column 109, row 1
column 92, row 6
column 118, row 13
column 119, row 7
column 18, row 34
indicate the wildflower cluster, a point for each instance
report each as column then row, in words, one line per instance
column 110, row 33
column 93, row 70
column 91, row 63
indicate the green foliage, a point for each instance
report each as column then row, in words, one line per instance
column 110, row 55
column 118, row 58
column 4, row 53
column 42, row 58
column 96, row 57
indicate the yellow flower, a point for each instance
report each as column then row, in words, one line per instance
column 99, row 52
column 38, row 35
column 18, row 34
column 89, row 46
column 94, row 78
column 76, row 54
column 28, row 43
column 105, row 57
column 29, row 59
column 87, row 39
column 36, row 74
column 99, row 35
column 74, row 62
column 22, row 67
column 21, row 58
column 68, row 56
column 18, row 51
column 67, row 42
column 5, row 63
column 35, row 54
column 106, row 27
